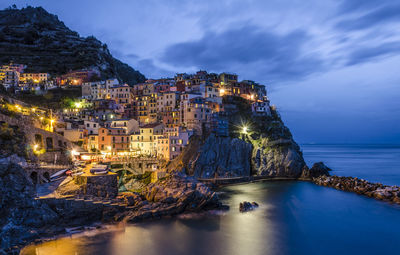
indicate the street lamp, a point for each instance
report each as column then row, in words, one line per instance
column 78, row 104
column 51, row 124
column 244, row 129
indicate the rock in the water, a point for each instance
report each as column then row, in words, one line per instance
column 318, row 169
column 247, row 206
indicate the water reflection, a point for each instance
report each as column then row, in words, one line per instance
column 294, row 218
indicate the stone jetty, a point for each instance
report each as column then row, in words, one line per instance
column 360, row 186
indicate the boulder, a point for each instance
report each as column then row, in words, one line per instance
column 247, row 206
column 318, row 169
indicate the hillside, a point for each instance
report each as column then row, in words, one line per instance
column 38, row 39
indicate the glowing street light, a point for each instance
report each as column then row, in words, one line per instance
column 244, row 129
column 35, row 147
column 78, row 104
column 41, row 118
column 51, row 124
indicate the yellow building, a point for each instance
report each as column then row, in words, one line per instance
column 145, row 141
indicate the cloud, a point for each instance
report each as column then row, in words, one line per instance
column 370, row 14
column 274, row 55
column 370, row 53
column 148, row 67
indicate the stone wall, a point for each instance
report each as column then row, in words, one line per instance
column 99, row 185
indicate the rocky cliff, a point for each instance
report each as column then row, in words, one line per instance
column 21, row 215
column 266, row 148
column 221, row 157
column 38, row 39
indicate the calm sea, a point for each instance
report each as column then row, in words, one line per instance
column 294, row 217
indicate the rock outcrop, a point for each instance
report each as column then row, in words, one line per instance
column 317, row 170
column 279, row 158
column 220, row 157
column 21, row 216
column 247, row 206
column 175, row 194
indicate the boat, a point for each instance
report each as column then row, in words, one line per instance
column 58, row 174
column 77, row 173
column 74, row 230
column 99, row 169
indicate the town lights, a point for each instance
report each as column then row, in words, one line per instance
column 41, row 118
column 78, row 104
column 35, row 147
column 51, row 124
column 33, row 109
column 109, row 148
column 222, row 91
column 244, row 130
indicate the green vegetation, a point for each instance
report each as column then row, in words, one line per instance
column 145, row 177
column 54, row 99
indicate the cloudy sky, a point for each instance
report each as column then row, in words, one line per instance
column 331, row 67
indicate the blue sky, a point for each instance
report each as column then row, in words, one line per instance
column 331, row 67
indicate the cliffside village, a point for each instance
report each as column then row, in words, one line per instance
column 154, row 119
